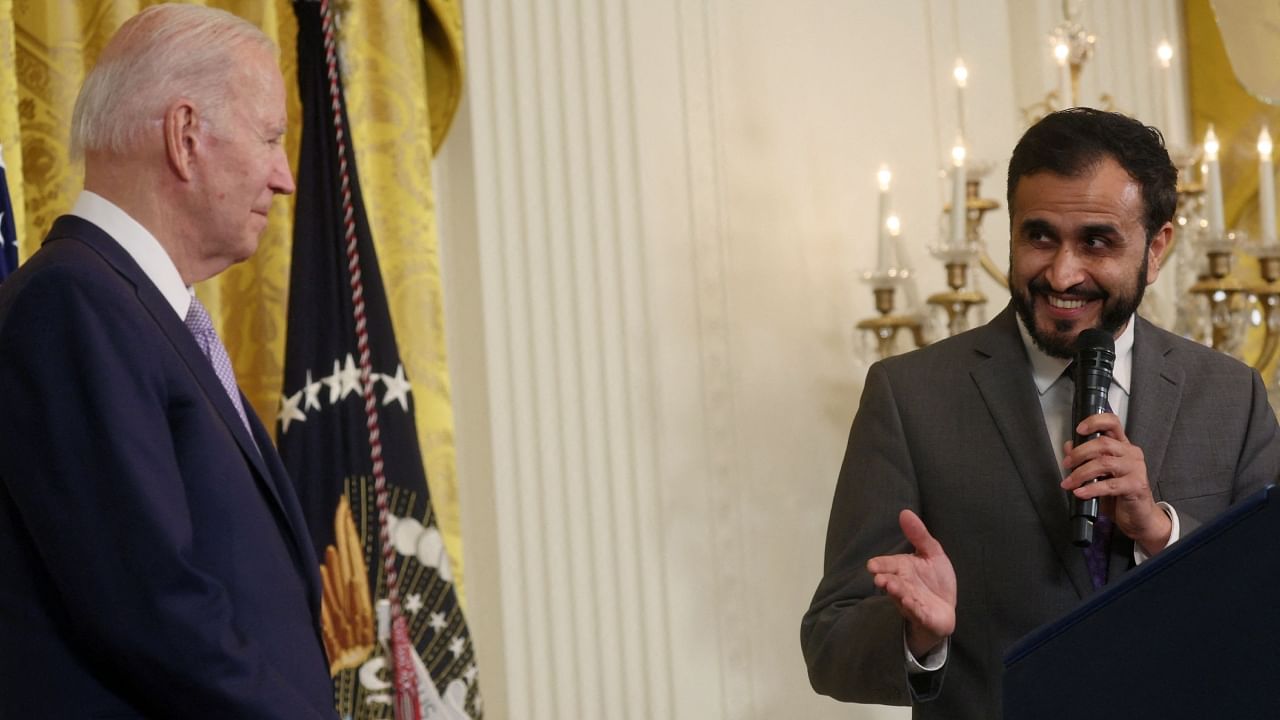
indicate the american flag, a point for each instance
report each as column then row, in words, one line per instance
column 8, row 234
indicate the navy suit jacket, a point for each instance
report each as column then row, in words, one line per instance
column 154, row 561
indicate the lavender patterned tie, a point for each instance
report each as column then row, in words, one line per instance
column 201, row 326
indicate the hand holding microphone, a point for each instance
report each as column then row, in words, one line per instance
column 1094, row 361
column 1103, row 463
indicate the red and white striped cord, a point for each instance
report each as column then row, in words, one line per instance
column 406, row 705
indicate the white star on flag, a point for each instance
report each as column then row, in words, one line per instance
column 334, row 382
column 350, row 377
column 289, row 411
column 457, row 645
column 413, row 603
column 436, row 621
column 397, row 389
column 312, row 390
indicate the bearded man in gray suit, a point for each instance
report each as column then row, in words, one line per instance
column 949, row 534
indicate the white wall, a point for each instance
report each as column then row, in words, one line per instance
column 654, row 216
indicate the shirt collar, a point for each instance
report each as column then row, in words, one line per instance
column 1047, row 370
column 141, row 245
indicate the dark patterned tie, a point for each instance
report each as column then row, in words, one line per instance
column 1096, row 556
column 201, row 327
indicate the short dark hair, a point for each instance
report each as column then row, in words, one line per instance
column 1073, row 141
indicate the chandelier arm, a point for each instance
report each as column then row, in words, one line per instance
column 1271, row 342
column 992, row 269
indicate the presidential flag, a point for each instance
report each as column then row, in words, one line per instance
column 346, row 433
column 8, row 234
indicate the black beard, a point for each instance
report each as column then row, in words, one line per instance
column 1116, row 310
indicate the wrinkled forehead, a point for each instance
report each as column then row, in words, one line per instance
column 256, row 84
column 1103, row 187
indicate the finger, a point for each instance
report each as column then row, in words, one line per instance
column 1100, row 445
column 904, row 594
column 917, row 606
column 1107, row 423
column 1099, row 468
column 1102, row 449
column 889, row 564
column 1127, row 489
column 918, row 535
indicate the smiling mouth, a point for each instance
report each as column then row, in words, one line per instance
column 1063, row 303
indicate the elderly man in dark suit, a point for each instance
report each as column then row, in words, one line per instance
column 153, row 558
column 949, row 534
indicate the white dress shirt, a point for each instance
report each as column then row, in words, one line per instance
column 141, row 245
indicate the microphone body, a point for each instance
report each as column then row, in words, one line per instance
column 1094, row 362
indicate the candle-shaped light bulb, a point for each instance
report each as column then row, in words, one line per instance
column 883, row 177
column 903, row 262
column 961, row 74
column 1172, row 131
column 959, row 213
column 1213, row 186
column 1061, row 52
column 1266, row 189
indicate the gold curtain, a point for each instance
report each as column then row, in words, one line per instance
column 403, row 65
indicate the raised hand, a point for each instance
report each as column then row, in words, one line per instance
column 922, row 585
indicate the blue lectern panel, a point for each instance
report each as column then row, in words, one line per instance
column 1192, row 633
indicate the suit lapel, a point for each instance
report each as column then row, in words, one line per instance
column 290, row 509
column 1005, row 382
column 1155, row 394
column 162, row 312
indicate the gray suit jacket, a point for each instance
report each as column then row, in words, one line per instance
column 955, row 432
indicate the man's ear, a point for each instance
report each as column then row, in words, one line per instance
column 1156, row 250
column 182, row 138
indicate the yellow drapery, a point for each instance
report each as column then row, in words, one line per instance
column 1217, row 97
column 403, row 65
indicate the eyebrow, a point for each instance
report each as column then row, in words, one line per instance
column 1043, row 227
column 1035, row 225
column 1100, row 229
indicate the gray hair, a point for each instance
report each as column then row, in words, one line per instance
column 159, row 55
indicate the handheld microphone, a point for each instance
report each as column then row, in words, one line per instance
column 1094, row 360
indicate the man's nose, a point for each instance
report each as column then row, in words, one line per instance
column 1065, row 270
column 281, row 180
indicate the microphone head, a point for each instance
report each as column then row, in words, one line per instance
column 1095, row 339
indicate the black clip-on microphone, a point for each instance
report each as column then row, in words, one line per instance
column 1094, row 360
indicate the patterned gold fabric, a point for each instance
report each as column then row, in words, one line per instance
column 403, row 65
